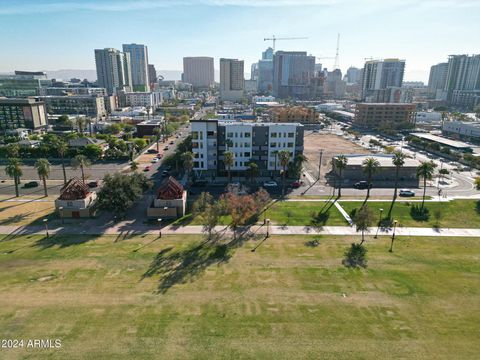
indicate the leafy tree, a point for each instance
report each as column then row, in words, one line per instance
column 200, row 205
column 187, row 162
column 13, row 150
column 228, row 160
column 241, row 208
column 62, row 149
column 134, row 166
column 355, row 256
column 93, row 151
column 284, row 159
column 140, row 143
column 14, row 170
column 341, row 162
column 363, row 220
column 43, row 171
column 82, row 162
column 119, row 192
column 112, row 129
column 370, row 167
column 80, row 122
column 210, row 217
column 425, row 170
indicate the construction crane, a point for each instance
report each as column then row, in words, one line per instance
column 337, row 61
column 274, row 39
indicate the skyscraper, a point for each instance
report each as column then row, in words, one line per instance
column 437, row 79
column 292, row 74
column 463, row 80
column 265, row 72
column 198, row 71
column 353, row 75
column 139, row 65
column 232, row 82
column 152, row 74
column 380, row 75
column 113, row 70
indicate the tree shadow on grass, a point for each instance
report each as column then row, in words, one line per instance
column 14, row 219
column 63, row 241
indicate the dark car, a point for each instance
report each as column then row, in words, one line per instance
column 152, row 151
column 31, row 184
column 296, row 184
column 93, row 184
column 361, row 185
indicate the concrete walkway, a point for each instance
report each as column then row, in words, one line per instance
column 127, row 230
column 343, row 212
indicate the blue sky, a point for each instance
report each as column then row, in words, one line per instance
column 61, row 34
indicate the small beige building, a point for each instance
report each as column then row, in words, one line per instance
column 75, row 200
column 169, row 202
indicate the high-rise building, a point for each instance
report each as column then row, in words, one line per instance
column 152, row 74
column 265, row 72
column 437, row 79
column 335, row 86
column 138, row 65
column 462, row 85
column 232, row 82
column 113, row 70
column 380, row 75
column 292, row 74
column 267, row 54
column 198, row 71
column 353, row 75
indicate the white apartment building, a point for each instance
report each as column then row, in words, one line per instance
column 143, row 99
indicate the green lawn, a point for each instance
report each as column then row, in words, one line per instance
column 455, row 214
column 305, row 213
column 173, row 298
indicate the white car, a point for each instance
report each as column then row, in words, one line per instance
column 154, row 160
column 406, row 192
column 270, row 184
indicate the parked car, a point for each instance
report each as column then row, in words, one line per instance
column 270, row 184
column 166, row 148
column 296, row 184
column 147, row 168
column 93, row 184
column 361, row 185
column 172, row 142
column 152, row 151
column 159, row 155
column 154, row 160
column 30, row 184
column 406, row 192
column 164, row 173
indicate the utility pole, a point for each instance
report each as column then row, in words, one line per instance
column 320, row 163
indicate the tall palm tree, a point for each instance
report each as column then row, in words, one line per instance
column 253, row 171
column 425, row 170
column 398, row 160
column 228, row 160
column 370, row 167
column 62, row 149
column 81, row 161
column 80, row 122
column 284, row 159
column 89, row 122
column 341, row 162
column 157, row 131
column 14, row 170
column 43, row 171
column 187, row 161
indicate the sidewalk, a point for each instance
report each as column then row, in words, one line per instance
column 126, row 229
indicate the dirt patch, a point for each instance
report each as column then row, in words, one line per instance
column 331, row 145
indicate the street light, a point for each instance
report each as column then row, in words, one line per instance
column 268, row 228
column 159, row 221
column 45, row 221
column 393, row 235
column 60, row 212
column 379, row 221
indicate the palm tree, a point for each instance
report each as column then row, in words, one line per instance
column 228, row 160
column 425, row 170
column 398, row 160
column 80, row 122
column 341, row 162
column 14, row 170
column 134, row 166
column 62, row 149
column 13, row 150
column 370, row 167
column 253, row 171
column 157, row 131
column 89, row 122
column 81, row 161
column 187, row 161
column 284, row 159
column 43, row 171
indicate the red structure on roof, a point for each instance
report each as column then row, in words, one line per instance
column 74, row 189
column 170, row 189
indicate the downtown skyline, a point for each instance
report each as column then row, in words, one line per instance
column 236, row 29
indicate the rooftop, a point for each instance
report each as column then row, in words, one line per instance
column 170, row 189
column 441, row 140
column 74, row 189
column 385, row 160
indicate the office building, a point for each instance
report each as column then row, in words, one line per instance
column 335, row 86
column 462, row 85
column 264, row 73
column 23, row 84
column 198, row 71
column 462, row 130
column 149, row 100
column 152, row 75
column 437, row 80
column 385, row 116
column 248, row 141
column 61, row 91
column 138, row 66
column 22, row 114
column 232, row 82
column 380, row 75
column 353, row 75
column 113, row 70
column 292, row 74
column 88, row 105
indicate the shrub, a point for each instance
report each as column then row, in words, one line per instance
column 355, row 256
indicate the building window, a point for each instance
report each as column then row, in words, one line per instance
column 229, row 134
column 290, row 144
column 247, row 154
column 247, row 135
column 273, row 135
column 291, row 135
column 245, row 144
column 273, row 144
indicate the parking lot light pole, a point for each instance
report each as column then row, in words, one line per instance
column 268, row 228
column 60, row 212
column 159, row 221
column 379, row 221
column 45, row 221
column 393, row 235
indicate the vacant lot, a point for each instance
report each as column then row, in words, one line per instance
column 174, row 298
column 331, row 145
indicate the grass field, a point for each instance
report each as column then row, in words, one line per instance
column 173, row 298
column 455, row 214
column 24, row 213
